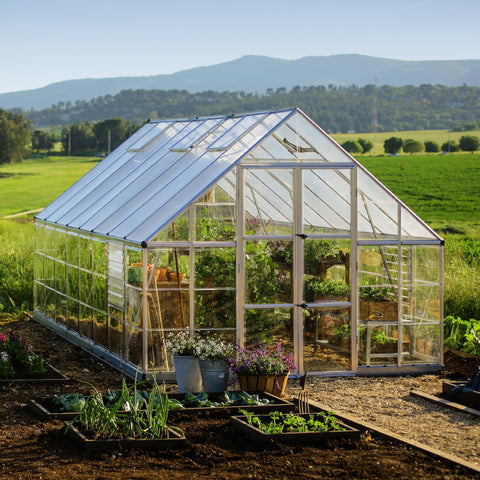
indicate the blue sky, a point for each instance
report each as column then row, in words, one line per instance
column 46, row 41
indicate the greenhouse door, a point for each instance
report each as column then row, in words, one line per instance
column 296, row 273
column 323, row 240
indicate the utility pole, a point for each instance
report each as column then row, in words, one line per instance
column 69, row 140
column 374, row 117
column 109, row 138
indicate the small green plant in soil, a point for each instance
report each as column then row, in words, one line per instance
column 289, row 422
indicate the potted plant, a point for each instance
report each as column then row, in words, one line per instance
column 212, row 354
column 262, row 368
column 182, row 346
column 316, row 290
column 378, row 304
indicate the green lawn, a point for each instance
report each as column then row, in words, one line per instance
column 444, row 190
column 36, row 182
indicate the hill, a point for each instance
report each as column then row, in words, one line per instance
column 253, row 73
column 342, row 109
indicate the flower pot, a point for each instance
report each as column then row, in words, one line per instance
column 187, row 371
column 160, row 274
column 175, row 277
column 274, row 383
column 214, row 375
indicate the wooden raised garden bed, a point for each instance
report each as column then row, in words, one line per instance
column 294, row 437
column 175, row 440
column 453, row 391
column 52, row 375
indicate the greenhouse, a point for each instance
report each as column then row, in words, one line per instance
column 251, row 226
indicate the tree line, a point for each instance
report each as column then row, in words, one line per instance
column 336, row 109
column 393, row 145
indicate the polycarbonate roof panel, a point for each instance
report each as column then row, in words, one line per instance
column 154, row 175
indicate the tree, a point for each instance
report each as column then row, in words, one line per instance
column 393, row 145
column 412, row 146
column 468, row 143
column 351, row 146
column 450, row 146
column 110, row 133
column 15, row 135
column 366, row 145
column 81, row 138
column 431, row 147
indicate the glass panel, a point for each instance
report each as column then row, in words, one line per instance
column 319, row 144
column 269, row 201
column 72, row 282
column 268, row 272
column 214, row 222
column 85, row 322
column 413, row 228
column 423, row 343
column 99, row 257
column 85, row 253
column 148, row 133
column 115, row 331
column 327, row 270
column 231, row 135
column 327, row 340
column 202, row 128
column 378, row 343
column 72, row 249
column 72, row 319
column 178, row 230
column 99, row 333
column 215, row 309
column 133, row 345
column 271, row 325
column 326, row 206
column 215, row 267
column 378, row 283
column 377, row 210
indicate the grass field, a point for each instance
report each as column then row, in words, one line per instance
column 438, row 136
column 443, row 189
column 36, row 182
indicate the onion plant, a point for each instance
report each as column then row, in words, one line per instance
column 131, row 416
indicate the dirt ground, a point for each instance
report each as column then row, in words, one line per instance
column 32, row 447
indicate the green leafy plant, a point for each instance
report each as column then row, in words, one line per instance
column 377, row 294
column 279, row 422
column 314, row 286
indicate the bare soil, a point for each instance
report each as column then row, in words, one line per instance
column 32, row 447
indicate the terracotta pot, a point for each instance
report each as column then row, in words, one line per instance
column 174, row 277
column 274, row 384
column 160, row 274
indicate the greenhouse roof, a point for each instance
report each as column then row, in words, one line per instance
column 146, row 182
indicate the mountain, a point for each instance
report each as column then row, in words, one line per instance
column 253, row 73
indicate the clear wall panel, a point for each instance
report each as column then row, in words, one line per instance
column 377, row 210
column 268, row 272
column 269, row 201
column 327, row 341
column 269, row 324
column 326, row 207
